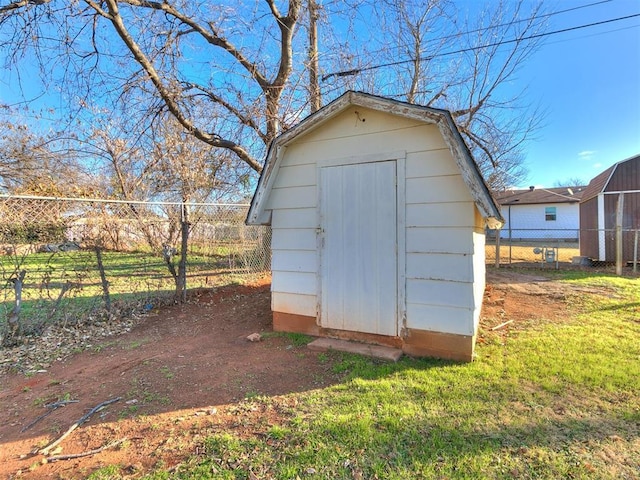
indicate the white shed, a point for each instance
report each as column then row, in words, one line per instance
column 378, row 214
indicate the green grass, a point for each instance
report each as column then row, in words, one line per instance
column 295, row 339
column 553, row 400
column 135, row 278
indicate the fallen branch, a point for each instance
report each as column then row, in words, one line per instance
column 85, row 417
column 503, row 324
column 71, row 456
column 51, row 407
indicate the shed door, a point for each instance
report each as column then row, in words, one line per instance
column 358, row 248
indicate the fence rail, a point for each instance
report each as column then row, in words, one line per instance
column 84, row 257
column 561, row 247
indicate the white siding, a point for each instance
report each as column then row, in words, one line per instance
column 293, row 243
column 348, row 135
column 438, row 292
column 295, row 303
column 436, row 189
column 431, row 163
column 294, row 261
column 294, row 218
column 528, row 221
column 439, row 266
column 442, row 285
column 296, row 176
column 300, row 282
column 293, row 239
column 299, row 197
column 479, row 275
column 439, row 240
column 437, row 318
column 440, row 215
column 440, row 219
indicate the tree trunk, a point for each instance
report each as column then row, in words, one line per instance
column 180, row 275
column 181, row 280
column 314, row 86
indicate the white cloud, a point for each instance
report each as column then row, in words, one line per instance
column 586, row 154
column 597, row 165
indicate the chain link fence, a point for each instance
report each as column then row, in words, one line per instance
column 73, row 259
column 564, row 248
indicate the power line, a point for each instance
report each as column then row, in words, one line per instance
column 594, row 34
column 506, row 24
column 513, row 22
column 355, row 71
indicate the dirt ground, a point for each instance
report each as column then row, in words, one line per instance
column 188, row 368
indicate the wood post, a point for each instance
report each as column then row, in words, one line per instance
column 619, row 218
column 635, row 252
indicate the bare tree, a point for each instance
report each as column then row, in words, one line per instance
column 233, row 77
column 570, row 182
column 39, row 161
column 434, row 54
column 175, row 51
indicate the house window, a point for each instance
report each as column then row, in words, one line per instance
column 550, row 214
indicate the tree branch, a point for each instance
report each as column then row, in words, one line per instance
column 71, row 456
column 245, row 120
column 21, row 4
column 170, row 98
column 84, row 418
column 210, row 36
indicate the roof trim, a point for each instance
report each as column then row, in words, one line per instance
column 599, row 183
column 469, row 170
column 540, row 196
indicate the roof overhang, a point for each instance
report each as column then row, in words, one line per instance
column 469, row 170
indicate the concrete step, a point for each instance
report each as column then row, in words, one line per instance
column 375, row 351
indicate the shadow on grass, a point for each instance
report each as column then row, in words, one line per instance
column 619, row 307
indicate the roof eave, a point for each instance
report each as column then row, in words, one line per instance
column 478, row 188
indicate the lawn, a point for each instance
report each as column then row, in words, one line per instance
column 551, row 395
column 66, row 286
column 554, row 399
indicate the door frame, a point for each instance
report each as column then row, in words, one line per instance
column 401, row 255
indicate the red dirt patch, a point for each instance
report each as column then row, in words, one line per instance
column 185, row 370
column 177, row 368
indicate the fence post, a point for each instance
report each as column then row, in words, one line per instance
column 635, row 252
column 184, row 246
column 498, row 235
column 619, row 217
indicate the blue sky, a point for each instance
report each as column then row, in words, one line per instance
column 588, row 83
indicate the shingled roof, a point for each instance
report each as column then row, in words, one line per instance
column 534, row 196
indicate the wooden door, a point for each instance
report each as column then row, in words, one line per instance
column 358, row 254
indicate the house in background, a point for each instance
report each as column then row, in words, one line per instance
column 545, row 214
column 378, row 213
column 598, row 211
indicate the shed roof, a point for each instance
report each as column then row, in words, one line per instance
column 442, row 118
column 536, row 196
column 598, row 184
